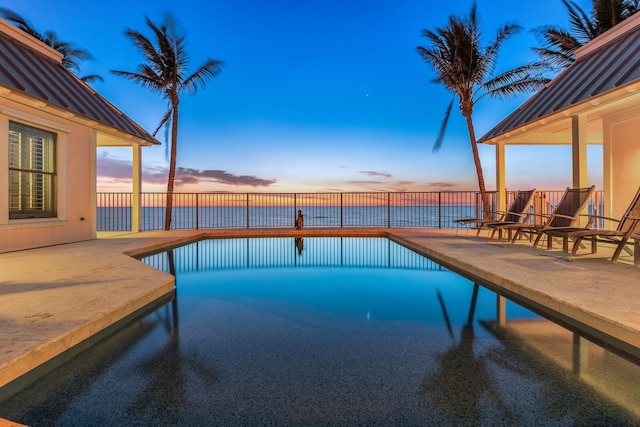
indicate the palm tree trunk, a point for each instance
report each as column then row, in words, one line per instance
column 476, row 160
column 172, row 165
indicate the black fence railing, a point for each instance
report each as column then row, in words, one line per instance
column 244, row 253
column 438, row 209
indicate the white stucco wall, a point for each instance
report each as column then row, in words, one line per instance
column 75, row 182
column 621, row 154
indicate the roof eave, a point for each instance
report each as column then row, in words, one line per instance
column 584, row 107
column 35, row 102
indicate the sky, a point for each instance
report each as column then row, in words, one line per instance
column 314, row 96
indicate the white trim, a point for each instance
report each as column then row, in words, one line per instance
column 24, row 38
column 60, row 184
column 32, row 119
column 610, row 35
column 33, row 223
column 4, row 170
column 60, row 189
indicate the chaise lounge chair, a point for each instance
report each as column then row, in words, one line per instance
column 628, row 228
column 566, row 214
column 515, row 213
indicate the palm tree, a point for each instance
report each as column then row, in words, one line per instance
column 71, row 54
column 164, row 72
column 464, row 67
column 559, row 44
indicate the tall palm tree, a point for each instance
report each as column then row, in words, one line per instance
column 464, row 67
column 559, row 44
column 71, row 54
column 164, row 72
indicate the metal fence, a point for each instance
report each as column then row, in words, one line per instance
column 244, row 253
column 438, row 209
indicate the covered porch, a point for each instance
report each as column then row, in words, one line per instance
column 596, row 101
column 108, row 140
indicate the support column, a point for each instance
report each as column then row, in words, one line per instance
column 93, row 177
column 501, row 310
column 501, row 182
column 579, row 155
column 579, row 150
column 607, row 164
column 136, row 175
column 580, row 354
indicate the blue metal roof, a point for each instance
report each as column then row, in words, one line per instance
column 603, row 70
column 26, row 70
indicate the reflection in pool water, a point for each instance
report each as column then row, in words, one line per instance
column 328, row 331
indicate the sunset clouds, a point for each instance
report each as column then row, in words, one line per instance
column 112, row 171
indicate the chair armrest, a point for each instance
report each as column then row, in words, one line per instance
column 554, row 215
column 516, row 214
column 593, row 218
column 541, row 215
column 602, row 217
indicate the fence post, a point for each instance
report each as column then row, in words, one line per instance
column 197, row 213
column 477, row 207
column 388, row 210
column 247, row 210
column 439, row 209
column 340, row 210
column 295, row 208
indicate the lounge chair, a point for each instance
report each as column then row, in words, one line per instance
column 566, row 214
column 628, row 228
column 515, row 213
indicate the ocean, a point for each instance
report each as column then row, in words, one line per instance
column 119, row 218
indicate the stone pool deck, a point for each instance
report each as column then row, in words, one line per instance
column 55, row 298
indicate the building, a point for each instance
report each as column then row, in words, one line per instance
column 594, row 101
column 51, row 124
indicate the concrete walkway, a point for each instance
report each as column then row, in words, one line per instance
column 53, row 299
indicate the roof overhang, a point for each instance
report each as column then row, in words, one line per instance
column 107, row 136
column 556, row 128
column 604, row 80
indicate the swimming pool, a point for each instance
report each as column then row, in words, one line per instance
column 325, row 331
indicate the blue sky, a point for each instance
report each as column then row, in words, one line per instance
column 314, row 95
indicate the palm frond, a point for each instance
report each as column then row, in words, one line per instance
column 17, row 20
column 165, row 119
column 557, row 61
column 443, row 128
column 204, row 73
column 489, row 59
column 559, row 45
column 92, row 78
column 526, row 78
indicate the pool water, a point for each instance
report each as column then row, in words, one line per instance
column 324, row 331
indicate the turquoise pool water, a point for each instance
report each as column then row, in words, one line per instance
column 322, row 331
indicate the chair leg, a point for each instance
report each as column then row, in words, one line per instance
column 515, row 236
column 576, row 244
column 621, row 245
column 493, row 232
column 538, row 237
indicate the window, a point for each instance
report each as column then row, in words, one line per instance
column 32, row 172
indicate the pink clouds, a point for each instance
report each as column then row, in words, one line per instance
column 117, row 171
